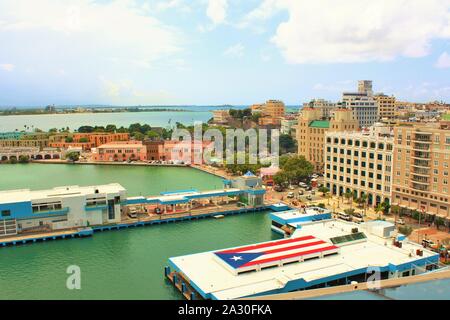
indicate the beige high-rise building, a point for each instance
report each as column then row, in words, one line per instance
column 360, row 163
column 386, row 107
column 365, row 86
column 274, row 109
column 421, row 168
column 311, row 132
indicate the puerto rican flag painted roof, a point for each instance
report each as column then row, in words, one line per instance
column 275, row 251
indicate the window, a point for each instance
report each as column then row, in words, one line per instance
column 6, row 213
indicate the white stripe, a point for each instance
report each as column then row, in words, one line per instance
column 279, row 246
column 287, row 252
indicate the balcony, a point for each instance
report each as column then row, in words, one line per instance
column 423, row 163
column 420, row 186
column 421, row 155
column 51, row 212
column 420, row 179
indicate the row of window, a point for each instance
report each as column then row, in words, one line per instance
column 359, row 143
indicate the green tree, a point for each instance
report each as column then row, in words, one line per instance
column 152, row 134
column 69, row 139
column 324, row 190
column 84, row 140
column 72, row 156
column 138, row 136
column 287, row 144
column 379, row 209
column 349, row 196
column 406, row 230
column 395, row 210
column 111, row 128
column 24, row 159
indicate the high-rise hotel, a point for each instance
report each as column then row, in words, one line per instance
column 360, row 163
column 421, row 168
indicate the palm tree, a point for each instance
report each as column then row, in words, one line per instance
column 378, row 209
column 395, row 210
column 349, row 196
column 362, row 200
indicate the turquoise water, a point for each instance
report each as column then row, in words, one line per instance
column 138, row 180
column 74, row 121
column 125, row 264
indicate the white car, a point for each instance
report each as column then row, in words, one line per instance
column 400, row 221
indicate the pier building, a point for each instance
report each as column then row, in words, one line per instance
column 59, row 208
column 319, row 254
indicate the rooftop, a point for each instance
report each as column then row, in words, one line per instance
column 307, row 256
column 320, row 124
column 25, row 195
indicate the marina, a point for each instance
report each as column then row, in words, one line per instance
column 319, row 254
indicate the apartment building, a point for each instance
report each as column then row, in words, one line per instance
column 221, row 116
column 365, row 86
column 365, row 107
column 120, row 151
column 311, row 130
column 28, row 140
column 360, row 163
column 386, row 107
column 326, row 107
column 421, row 168
column 271, row 112
column 86, row 141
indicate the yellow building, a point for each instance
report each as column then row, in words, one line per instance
column 311, row 132
column 421, row 168
column 386, row 107
column 274, row 109
column 221, row 116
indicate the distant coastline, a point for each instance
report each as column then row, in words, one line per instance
column 18, row 112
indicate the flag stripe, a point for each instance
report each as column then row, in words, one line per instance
column 286, row 252
column 297, row 254
column 303, row 245
column 266, row 245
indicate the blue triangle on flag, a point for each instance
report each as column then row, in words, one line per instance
column 238, row 259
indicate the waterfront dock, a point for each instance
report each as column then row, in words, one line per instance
column 40, row 237
column 130, row 223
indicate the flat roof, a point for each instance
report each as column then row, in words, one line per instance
column 23, row 195
column 184, row 196
column 319, row 124
column 217, row 279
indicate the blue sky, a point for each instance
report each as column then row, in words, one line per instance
column 210, row 52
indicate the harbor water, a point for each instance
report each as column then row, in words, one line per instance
column 125, row 264
column 128, row 264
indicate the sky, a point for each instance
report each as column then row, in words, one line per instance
column 214, row 52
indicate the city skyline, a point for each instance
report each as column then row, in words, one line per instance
column 176, row 52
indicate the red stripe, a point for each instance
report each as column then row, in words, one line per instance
column 303, row 245
column 265, row 245
column 292, row 255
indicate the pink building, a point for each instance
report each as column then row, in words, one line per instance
column 187, row 152
column 120, row 151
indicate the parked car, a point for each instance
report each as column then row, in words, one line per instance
column 132, row 213
column 309, row 197
column 358, row 218
column 290, row 195
column 303, row 185
column 344, row 216
column 300, row 192
column 427, row 243
column 278, row 188
column 291, row 187
column 401, row 222
column 308, row 188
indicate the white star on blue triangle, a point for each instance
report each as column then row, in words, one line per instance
column 238, row 259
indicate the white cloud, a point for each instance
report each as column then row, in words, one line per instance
column 443, row 61
column 217, row 11
column 330, row 31
column 126, row 92
column 96, row 31
column 173, row 4
column 7, row 67
column 235, row 51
